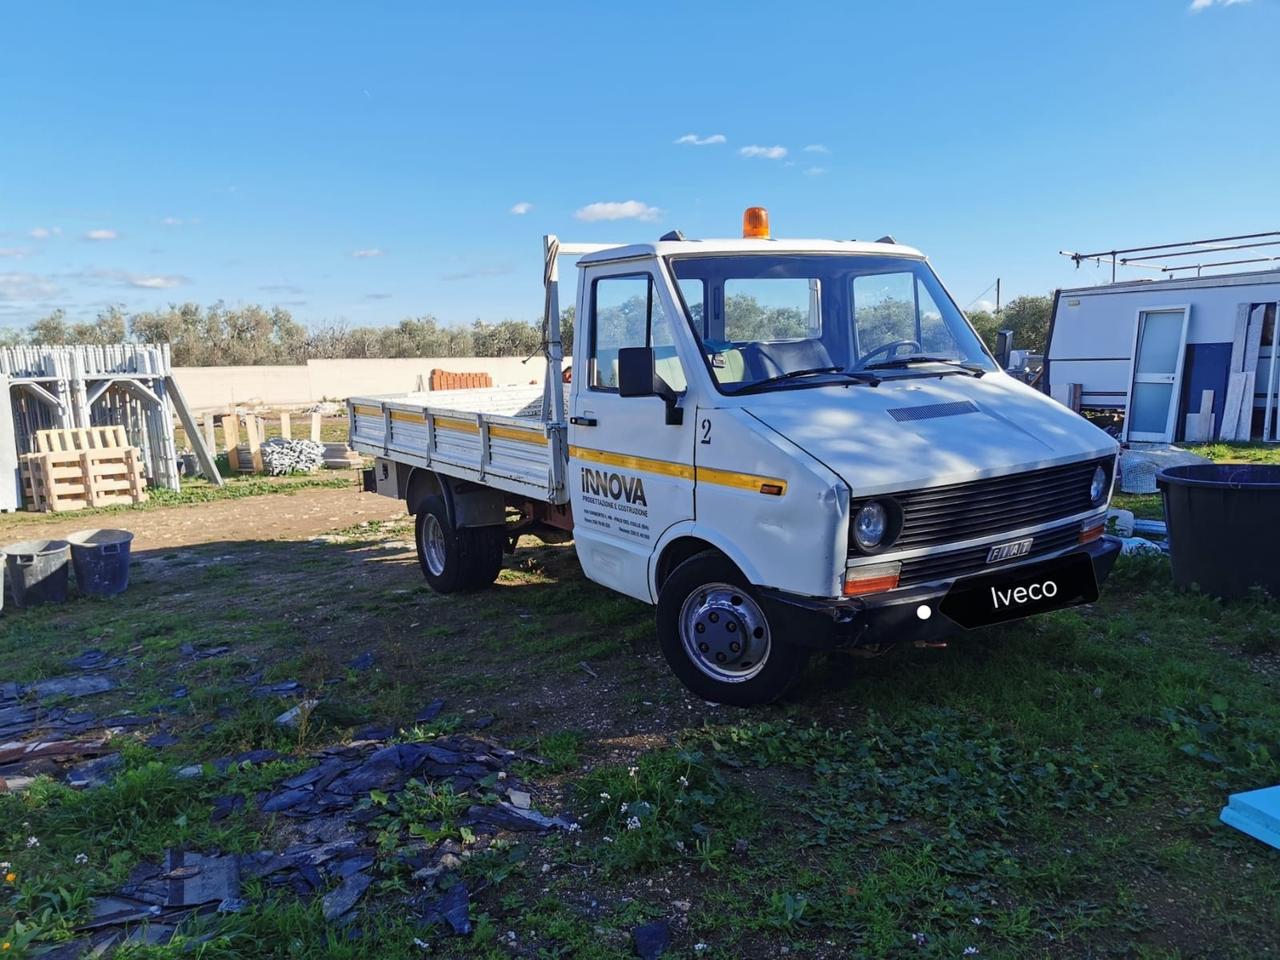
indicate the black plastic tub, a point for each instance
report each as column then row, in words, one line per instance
column 1223, row 522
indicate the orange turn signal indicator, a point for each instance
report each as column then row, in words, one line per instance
column 872, row 578
column 1088, row 534
column 755, row 223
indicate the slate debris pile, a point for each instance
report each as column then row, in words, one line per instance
column 36, row 739
column 281, row 457
column 333, row 854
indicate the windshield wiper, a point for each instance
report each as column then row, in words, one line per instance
column 855, row 375
column 972, row 368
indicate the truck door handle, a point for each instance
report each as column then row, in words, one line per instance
column 583, row 421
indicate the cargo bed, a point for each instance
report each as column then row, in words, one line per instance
column 498, row 437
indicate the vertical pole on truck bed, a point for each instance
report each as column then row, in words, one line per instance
column 553, row 382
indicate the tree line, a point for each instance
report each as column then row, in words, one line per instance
column 219, row 335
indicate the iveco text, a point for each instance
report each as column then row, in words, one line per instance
column 783, row 445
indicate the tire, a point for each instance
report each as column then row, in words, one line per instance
column 455, row 559
column 703, row 607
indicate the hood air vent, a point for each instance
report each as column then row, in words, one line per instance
column 932, row 411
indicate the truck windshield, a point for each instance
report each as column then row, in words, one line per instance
column 791, row 318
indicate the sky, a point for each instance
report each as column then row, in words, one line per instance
column 367, row 162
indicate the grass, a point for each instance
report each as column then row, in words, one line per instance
column 1056, row 780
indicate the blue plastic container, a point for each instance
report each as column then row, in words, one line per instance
column 101, row 561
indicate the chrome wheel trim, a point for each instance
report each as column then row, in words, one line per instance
column 716, row 618
column 433, row 546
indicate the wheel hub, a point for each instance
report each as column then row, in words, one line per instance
column 724, row 632
column 433, row 546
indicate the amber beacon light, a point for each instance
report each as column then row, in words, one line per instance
column 755, row 223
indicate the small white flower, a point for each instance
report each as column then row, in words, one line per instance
column 633, row 771
column 82, row 858
column 33, row 842
column 970, row 951
column 683, row 781
column 4, row 866
column 573, row 827
column 623, row 808
column 976, row 921
column 421, row 944
column 633, row 823
column 502, row 774
column 680, row 845
column 605, row 796
column 607, row 839
column 919, row 939
column 699, row 948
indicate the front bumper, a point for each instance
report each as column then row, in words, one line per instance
column 824, row 624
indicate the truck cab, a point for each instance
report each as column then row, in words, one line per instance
column 792, row 445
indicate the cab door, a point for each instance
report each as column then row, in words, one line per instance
column 630, row 471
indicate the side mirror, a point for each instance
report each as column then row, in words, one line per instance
column 637, row 377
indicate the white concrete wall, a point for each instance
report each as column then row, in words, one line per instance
column 214, row 388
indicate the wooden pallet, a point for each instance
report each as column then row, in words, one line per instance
column 81, row 438
column 58, row 481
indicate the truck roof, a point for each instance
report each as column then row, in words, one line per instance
column 668, row 248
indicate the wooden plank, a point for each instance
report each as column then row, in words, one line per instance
column 1231, row 407
column 231, row 437
column 315, row 427
column 1238, row 338
column 1244, row 427
column 1253, row 339
column 286, row 430
column 255, row 442
column 210, row 436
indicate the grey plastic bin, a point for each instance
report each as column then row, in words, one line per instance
column 101, row 561
column 37, row 571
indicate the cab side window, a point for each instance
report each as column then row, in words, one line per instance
column 627, row 312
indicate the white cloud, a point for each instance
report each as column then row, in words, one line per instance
column 501, row 270
column 178, row 221
column 816, row 148
column 815, row 171
column 44, row 233
column 768, row 153
column 16, row 253
column 618, row 210
column 367, row 253
column 521, row 208
column 697, row 141
column 101, row 235
column 986, row 306
column 25, row 286
column 1198, row 5
column 155, row 282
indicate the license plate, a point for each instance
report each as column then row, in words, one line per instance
column 1022, row 591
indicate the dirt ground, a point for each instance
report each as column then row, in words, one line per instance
column 295, row 516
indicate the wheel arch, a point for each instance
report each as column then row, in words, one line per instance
column 685, row 540
column 469, row 504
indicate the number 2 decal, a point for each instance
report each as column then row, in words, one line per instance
column 706, row 431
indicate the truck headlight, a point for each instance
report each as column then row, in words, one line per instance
column 870, row 526
column 1098, row 485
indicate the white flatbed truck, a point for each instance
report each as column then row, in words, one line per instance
column 783, row 445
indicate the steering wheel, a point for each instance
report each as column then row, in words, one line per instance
column 890, row 350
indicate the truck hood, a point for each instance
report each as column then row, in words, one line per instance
column 925, row 431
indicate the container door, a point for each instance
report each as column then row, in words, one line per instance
column 1156, row 380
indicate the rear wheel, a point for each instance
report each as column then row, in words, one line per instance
column 453, row 559
column 717, row 637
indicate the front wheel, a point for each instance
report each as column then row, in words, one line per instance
column 717, row 637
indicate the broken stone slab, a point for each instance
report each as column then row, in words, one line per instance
column 195, row 879
column 350, row 865
column 282, row 688
column 453, row 908
column 342, row 900
column 74, row 687
column 362, row 662
column 21, row 751
column 225, row 805
column 520, row 799
column 651, row 940
column 95, row 660
column 430, row 711
column 162, row 739
column 293, row 716
column 94, row 773
column 505, row 816
column 196, row 653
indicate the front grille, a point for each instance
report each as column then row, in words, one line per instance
column 965, row 511
column 971, row 560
